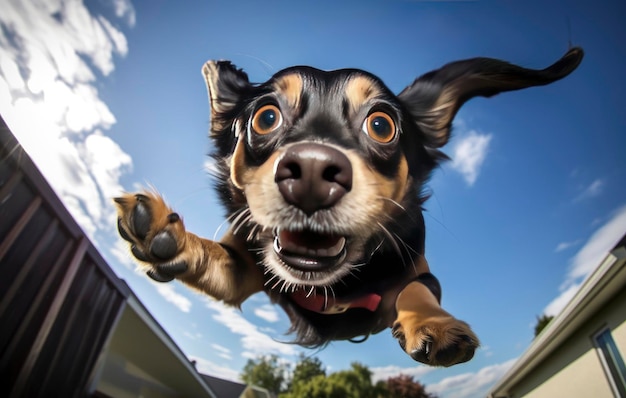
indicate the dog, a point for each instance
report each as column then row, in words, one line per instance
column 322, row 175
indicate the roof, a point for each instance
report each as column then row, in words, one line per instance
column 224, row 388
column 608, row 279
column 140, row 347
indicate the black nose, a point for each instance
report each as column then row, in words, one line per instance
column 313, row 176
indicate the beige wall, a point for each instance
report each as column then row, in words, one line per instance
column 574, row 369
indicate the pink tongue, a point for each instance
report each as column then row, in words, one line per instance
column 310, row 243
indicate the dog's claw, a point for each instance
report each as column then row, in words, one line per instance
column 422, row 354
column 172, row 269
column 167, row 272
column 139, row 255
column 159, row 277
column 429, row 350
column 122, row 231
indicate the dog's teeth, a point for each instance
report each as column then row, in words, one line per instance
column 308, row 244
column 277, row 247
column 336, row 249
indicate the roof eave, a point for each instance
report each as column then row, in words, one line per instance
column 603, row 283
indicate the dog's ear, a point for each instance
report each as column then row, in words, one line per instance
column 434, row 98
column 226, row 85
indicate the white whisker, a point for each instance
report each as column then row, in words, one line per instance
column 325, row 298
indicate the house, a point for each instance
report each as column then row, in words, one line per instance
column 69, row 327
column 231, row 389
column 581, row 352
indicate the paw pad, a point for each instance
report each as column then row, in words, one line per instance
column 141, row 217
column 155, row 233
column 163, row 246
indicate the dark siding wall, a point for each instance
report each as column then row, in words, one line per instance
column 58, row 298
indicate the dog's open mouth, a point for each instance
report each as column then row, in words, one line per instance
column 310, row 251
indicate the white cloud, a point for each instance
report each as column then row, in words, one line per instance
column 210, row 368
column 253, row 341
column 192, row 336
column 124, row 9
column 385, row 372
column 120, row 251
column 566, row 245
column 592, row 190
column 562, row 299
column 220, row 348
column 588, row 258
column 468, row 154
column 469, row 385
column 598, row 245
column 171, row 295
column 51, row 53
column 222, row 351
column 267, row 312
column 107, row 162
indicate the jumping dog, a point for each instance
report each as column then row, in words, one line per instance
column 322, row 174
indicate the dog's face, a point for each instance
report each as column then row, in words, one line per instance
column 321, row 160
column 323, row 169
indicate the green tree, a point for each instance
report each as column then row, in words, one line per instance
column 267, row 372
column 309, row 380
column 542, row 322
column 306, row 369
column 353, row 383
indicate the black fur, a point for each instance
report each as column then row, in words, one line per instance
column 424, row 112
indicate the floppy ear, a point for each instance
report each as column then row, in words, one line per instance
column 226, row 85
column 434, row 98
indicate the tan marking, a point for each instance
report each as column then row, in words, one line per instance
column 388, row 191
column 421, row 319
column 259, row 184
column 359, row 90
column 237, row 164
column 290, row 86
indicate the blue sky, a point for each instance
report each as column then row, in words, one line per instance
column 107, row 96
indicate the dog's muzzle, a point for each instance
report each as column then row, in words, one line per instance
column 311, row 177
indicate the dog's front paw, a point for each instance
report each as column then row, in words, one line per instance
column 156, row 234
column 441, row 341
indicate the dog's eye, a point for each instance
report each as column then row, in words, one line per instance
column 266, row 119
column 380, row 127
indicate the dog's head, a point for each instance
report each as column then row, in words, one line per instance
column 323, row 169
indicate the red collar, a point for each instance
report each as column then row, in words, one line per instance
column 332, row 305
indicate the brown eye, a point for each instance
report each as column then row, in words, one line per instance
column 380, row 127
column 266, row 119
